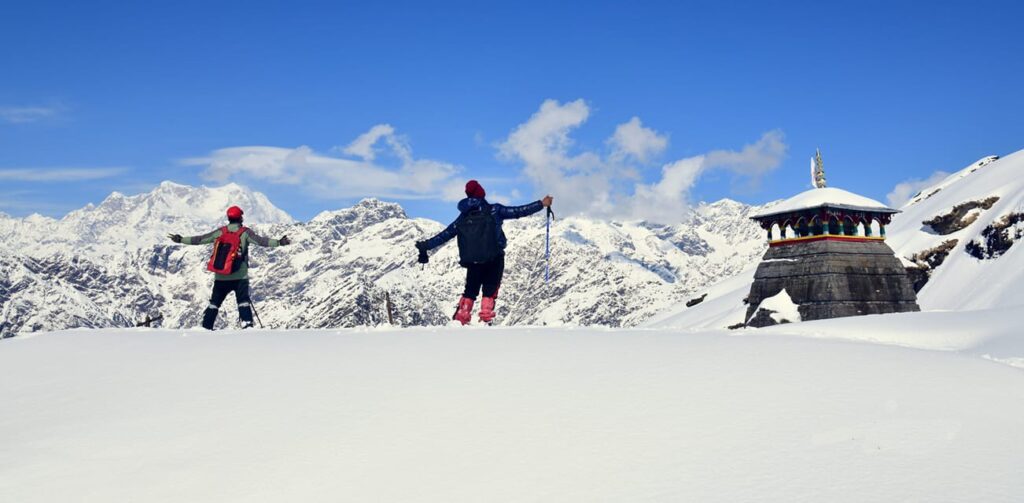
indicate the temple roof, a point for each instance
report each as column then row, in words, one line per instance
column 827, row 197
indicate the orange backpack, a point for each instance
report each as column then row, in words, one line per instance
column 227, row 252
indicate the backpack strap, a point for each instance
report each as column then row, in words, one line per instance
column 241, row 230
column 483, row 208
column 243, row 251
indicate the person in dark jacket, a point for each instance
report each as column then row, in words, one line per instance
column 486, row 275
column 237, row 281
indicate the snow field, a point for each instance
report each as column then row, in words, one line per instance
column 517, row 414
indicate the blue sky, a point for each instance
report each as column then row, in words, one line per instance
column 730, row 99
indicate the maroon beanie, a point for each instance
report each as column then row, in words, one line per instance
column 474, row 189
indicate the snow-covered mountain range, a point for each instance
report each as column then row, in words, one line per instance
column 111, row 264
column 956, row 238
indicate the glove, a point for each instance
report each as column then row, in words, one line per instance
column 422, row 247
column 284, row 241
column 175, row 237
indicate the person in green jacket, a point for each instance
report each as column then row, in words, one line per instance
column 237, row 281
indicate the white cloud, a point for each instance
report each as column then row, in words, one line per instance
column 544, row 140
column 453, row 191
column 903, row 192
column 608, row 186
column 542, row 143
column 23, row 115
column 666, row 200
column 615, row 182
column 363, row 145
column 632, row 139
column 754, row 160
column 58, row 174
column 335, row 177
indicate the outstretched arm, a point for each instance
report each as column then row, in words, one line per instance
column 520, row 211
column 441, row 238
column 262, row 241
column 203, row 239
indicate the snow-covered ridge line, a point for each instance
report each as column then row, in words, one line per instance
column 951, row 179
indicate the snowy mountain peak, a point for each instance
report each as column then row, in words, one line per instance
column 366, row 207
column 171, row 201
column 723, row 204
column 123, row 222
column 37, row 219
column 365, row 213
column 376, row 206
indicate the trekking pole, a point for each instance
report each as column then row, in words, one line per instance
column 253, row 305
column 547, row 244
column 387, row 302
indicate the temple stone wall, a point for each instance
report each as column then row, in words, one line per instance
column 832, row 279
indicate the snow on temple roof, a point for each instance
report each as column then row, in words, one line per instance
column 827, row 196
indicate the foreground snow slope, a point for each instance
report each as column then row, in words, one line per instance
column 518, row 414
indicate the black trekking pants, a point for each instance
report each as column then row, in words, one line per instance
column 221, row 289
column 487, row 276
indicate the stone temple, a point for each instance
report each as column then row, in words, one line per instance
column 824, row 259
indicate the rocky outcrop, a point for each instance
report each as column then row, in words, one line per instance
column 960, row 217
column 998, row 237
column 925, row 262
column 763, row 318
column 695, row 301
column 832, row 279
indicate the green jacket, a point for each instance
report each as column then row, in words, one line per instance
column 247, row 236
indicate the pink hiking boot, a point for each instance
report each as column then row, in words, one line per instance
column 487, row 309
column 464, row 314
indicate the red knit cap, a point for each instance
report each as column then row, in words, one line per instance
column 474, row 189
column 234, row 212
